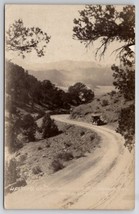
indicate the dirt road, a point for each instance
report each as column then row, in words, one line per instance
column 102, row 180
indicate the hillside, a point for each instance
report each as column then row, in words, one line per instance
column 109, row 105
column 25, row 91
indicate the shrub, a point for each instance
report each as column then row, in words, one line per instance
column 112, row 93
column 67, row 143
column 48, row 144
column 92, row 137
column 80, row 154
column 36, row 170
column 40, row 114
column 39, row 148
column 22, row 158
column 49, row 128
column 82, row 133
column 66, row 156
column 57, row 165
column 126, row 126
column 29, row 127
column 39, row 129
column 12, row 132
column 105, row 103
column 116, row 101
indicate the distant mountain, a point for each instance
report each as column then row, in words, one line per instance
column 66, row 73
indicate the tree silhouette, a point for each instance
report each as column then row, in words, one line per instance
column 80, row 93
column 49, row 128
column 106, row 24
column 24, row 40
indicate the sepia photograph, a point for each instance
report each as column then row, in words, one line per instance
column 69, row 107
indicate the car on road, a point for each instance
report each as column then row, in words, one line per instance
column 97, row 119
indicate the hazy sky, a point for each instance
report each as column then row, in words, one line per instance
column 57, row 21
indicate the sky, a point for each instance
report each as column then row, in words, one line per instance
column 57, row 21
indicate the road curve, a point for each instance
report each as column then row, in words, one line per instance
column 102, row 180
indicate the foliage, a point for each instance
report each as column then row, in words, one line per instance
column 24, row 40
column 80, row 93
column 124, row 75
column 112, row 93
column 20, row 86
column 52, row 95
column 105, row 103
column 65, row 156
column 36, row 170
column 49, row 128
column 29, row 127
column 18, row 126
column 23, row 89
column 57, row 165
column 127, row 125
column 119, row 26
column 90, row 26
column 12, row 130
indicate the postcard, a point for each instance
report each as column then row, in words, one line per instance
column 69, row 107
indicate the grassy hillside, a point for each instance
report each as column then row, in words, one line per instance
column 109, row 105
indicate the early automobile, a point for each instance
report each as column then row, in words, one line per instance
column 97, row 119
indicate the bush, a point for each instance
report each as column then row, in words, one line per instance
column 36, row 170
column 67, row 143
column 112, row 93
column 29, row 127
column 22, row 159
column 105, row 103
column 116, row 101
column 80, row 154
column 92, row 137
column 39, row 148
column 49, row 128
column 12, row 132
column 57, row 165
column 40, row 114
column 82, row 133
column 66, row 156
column 126, row 126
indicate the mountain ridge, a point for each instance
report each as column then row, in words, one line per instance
column 66, row 73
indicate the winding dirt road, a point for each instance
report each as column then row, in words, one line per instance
column 102, row 180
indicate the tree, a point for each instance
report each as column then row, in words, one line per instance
column 29, row 126
column 24, row 40
column 127, row 125
column 49, row 128
column 80, row 93
column 107, row 24
column 124, row 75
column 12, row 131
